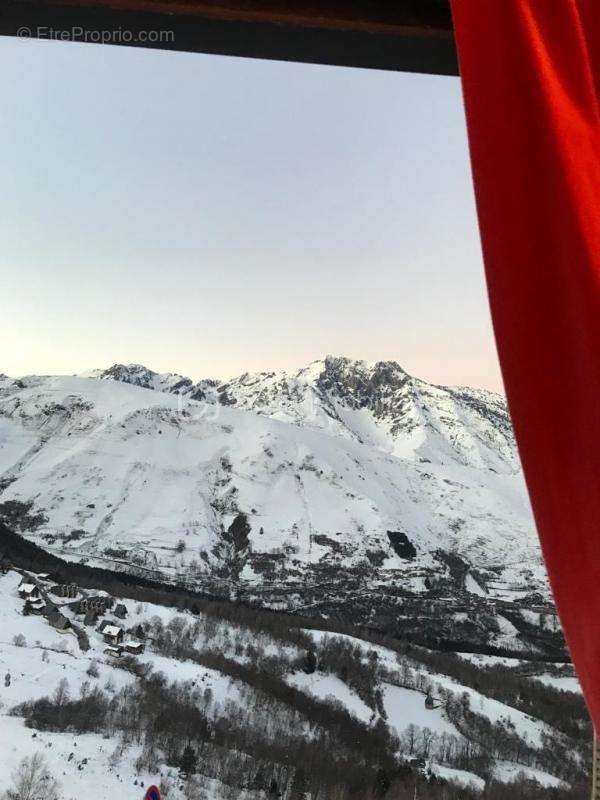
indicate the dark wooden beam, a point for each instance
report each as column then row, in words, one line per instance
column 407, row 35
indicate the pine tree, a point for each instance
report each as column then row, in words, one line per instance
column 299, row 785
column 187, row 763
column 382, row 782
column 310, row 662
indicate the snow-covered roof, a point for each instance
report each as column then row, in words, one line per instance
column 28, row 588
column 112, row 630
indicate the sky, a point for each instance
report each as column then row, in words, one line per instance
column 210, row 215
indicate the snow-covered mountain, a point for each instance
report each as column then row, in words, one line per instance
column 377, row 404
column 349, row 475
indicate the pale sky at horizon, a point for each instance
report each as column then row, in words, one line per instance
column 210, row 216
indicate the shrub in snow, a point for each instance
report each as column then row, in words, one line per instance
column 93, row 670
column 31, row 780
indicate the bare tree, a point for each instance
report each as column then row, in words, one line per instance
column 32, row 781
column 192, row 789
column 427, row 739
column 411, row 734
column 166, row 786
column 61, row 693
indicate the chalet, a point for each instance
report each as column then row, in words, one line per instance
column 58, row 621
column 29, row 591
column 104, row 624
column 34, row 606
column 43, row 576
column 120, row 611
column 135, row 648
column 113, row 634
column 113, row 652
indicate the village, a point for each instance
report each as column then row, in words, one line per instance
column 70, row 609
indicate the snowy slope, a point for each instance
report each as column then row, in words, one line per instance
column 376, row 403
column 344, row 471
column 128, row 467
column 83, row 763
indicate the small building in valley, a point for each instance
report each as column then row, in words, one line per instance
column 112, row 634
column 120, row 611
column 135, row 648
column 36, row 606
column 29, row 591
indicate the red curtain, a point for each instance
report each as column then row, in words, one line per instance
column 530, row 73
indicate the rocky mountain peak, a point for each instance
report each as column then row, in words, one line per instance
column 139, row 375
column 359, row 383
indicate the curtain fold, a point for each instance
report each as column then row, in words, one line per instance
column 530, row 72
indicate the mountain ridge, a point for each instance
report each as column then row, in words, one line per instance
column 352, row 488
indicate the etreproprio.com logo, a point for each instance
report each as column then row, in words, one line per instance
column 96, row 35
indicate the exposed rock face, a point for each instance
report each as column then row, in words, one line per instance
column 138, row 375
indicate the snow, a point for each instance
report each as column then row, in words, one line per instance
column 565, row 684
column 406, row 706
column 485, row 660
column 472, row 586
column 507, row 772
column 47, row 657
column 112, row 630
column 16, row 742
column 458, row 776
column 325, row 686
column 101, row 777
column 506, row 627
column 528, row 728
